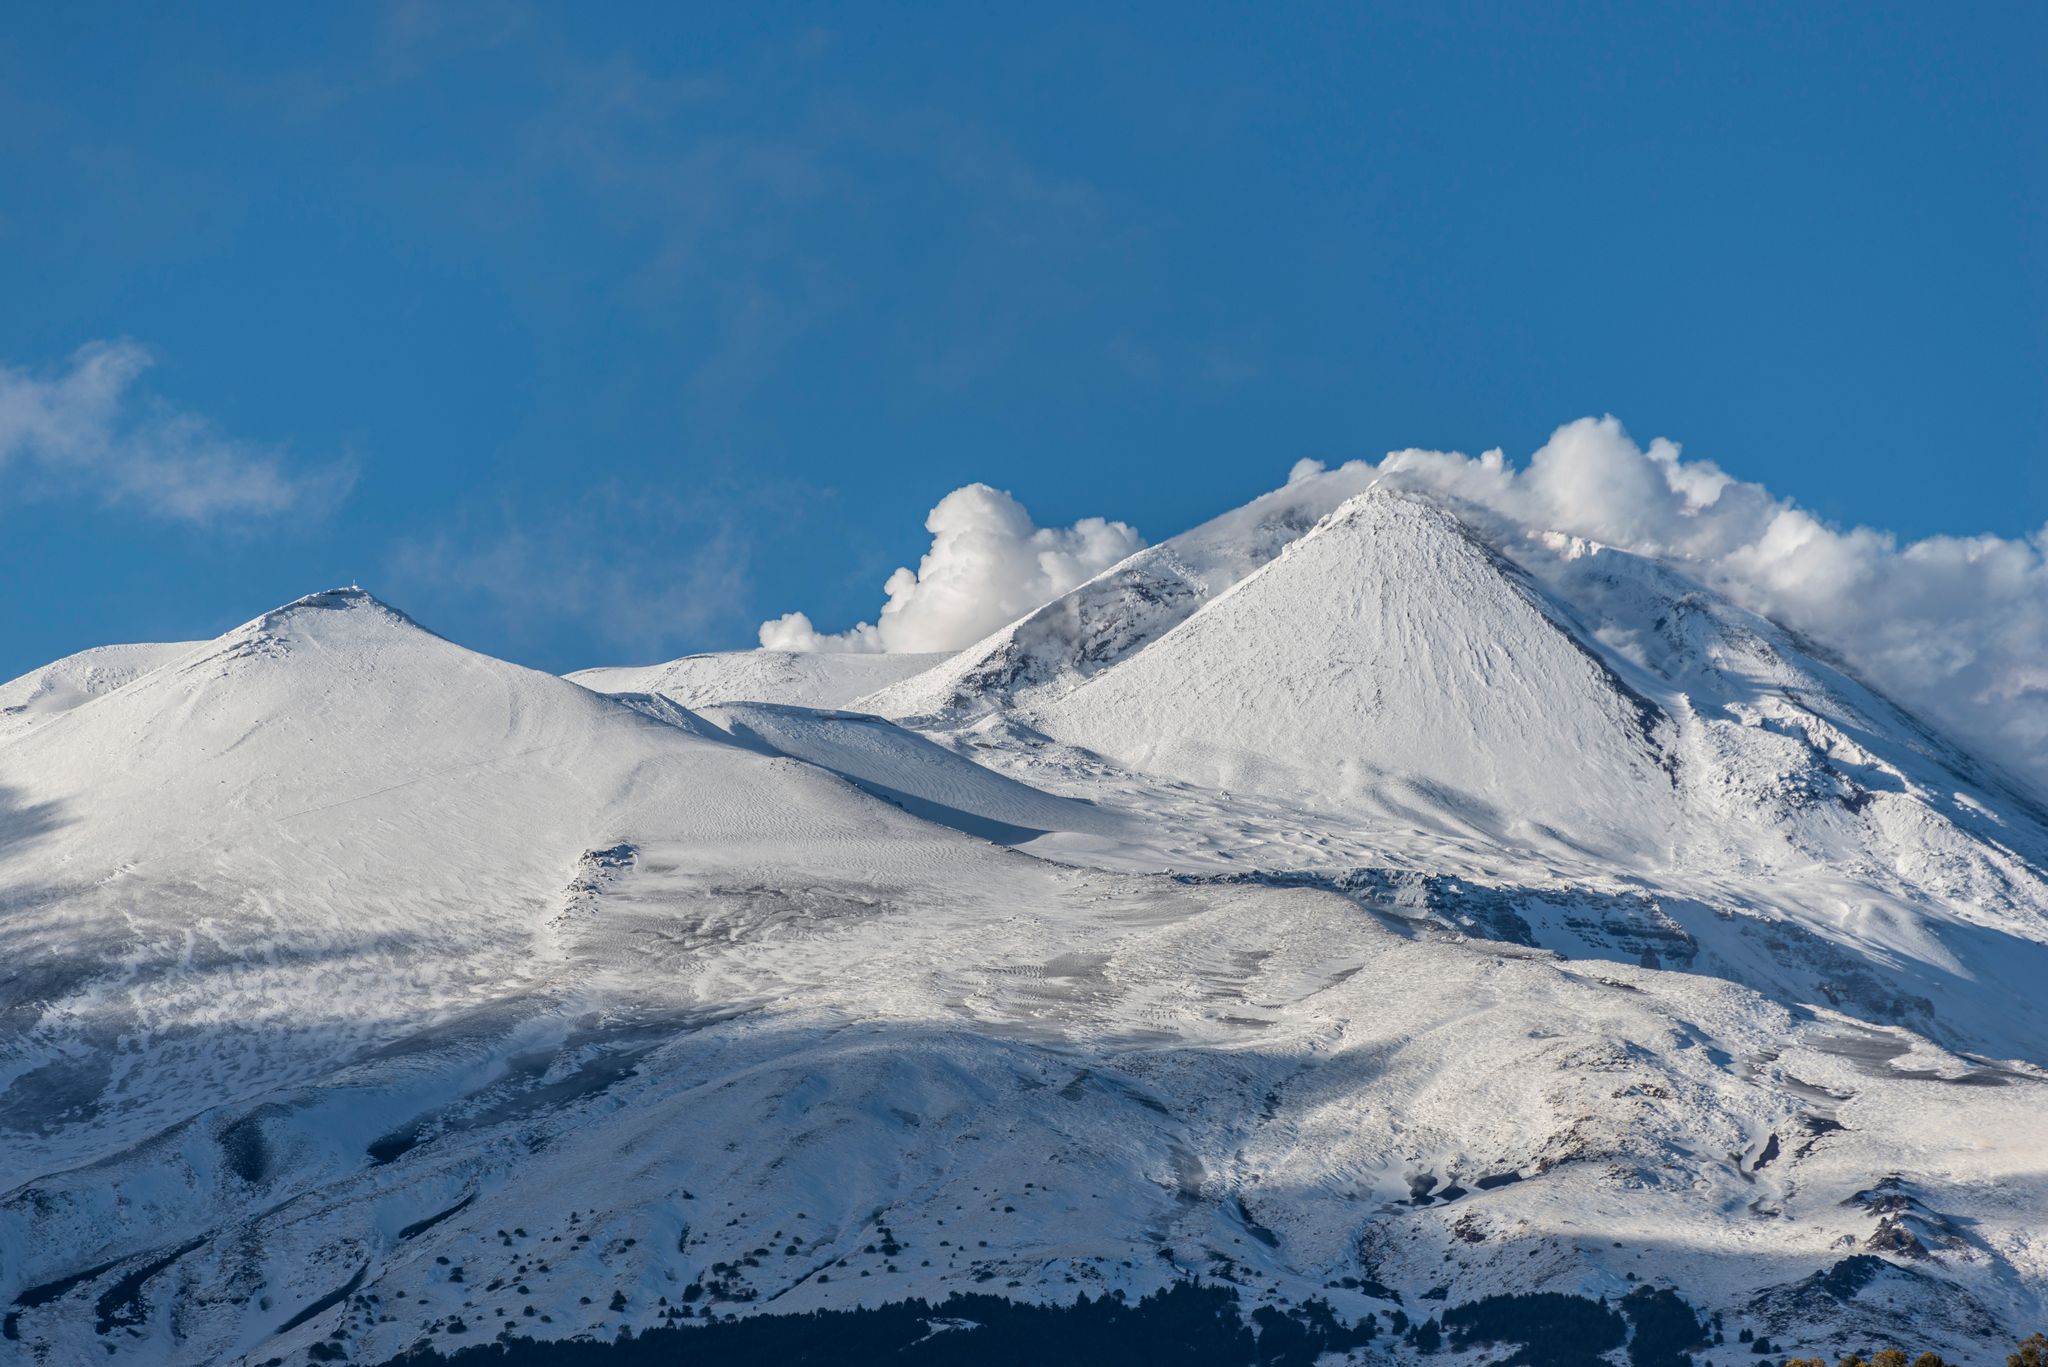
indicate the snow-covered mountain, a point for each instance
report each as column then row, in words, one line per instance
column 1389, row 660
column 1352, row 897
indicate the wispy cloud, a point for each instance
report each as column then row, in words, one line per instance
column 752, row 227
column 406, row 42
column 83, row 430
column 756, row 203
column 638, row 571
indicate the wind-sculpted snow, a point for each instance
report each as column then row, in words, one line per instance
column 1335, row 901
column 59, row 687
column 905, row 768
column 803, row 678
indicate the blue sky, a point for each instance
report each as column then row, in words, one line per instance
column 593, row 337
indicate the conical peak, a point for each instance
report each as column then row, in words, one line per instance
column 353, row 595
column 1389, row 660
column 1385, row 500
column 360, row 606
column 1388, row 519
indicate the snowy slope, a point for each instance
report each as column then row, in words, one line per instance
column 903, row 767
column 1347, row 898
column 59, row 687
column 326, row 828
column 804, row 679
column 1388, row 658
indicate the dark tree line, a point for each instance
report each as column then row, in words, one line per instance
column 1185, row 1325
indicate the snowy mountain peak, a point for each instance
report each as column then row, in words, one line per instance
column 1380, row 493
column 364, row 610
column 1414, row 517
column 1390, row 660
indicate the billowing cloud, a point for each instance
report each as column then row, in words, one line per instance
column 83, row 430
column 1954, row 626
column 989, row 564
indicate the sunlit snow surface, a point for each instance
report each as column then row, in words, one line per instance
column 1434, row 908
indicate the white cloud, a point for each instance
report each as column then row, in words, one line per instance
column 83, row 431
column 988, row 565
column 1954, row 626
